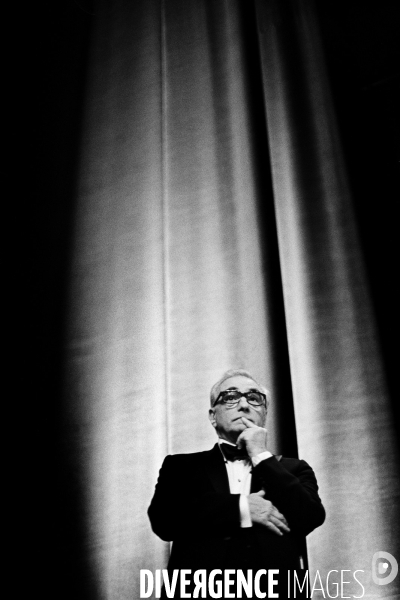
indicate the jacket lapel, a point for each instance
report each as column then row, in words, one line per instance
column 216, row 470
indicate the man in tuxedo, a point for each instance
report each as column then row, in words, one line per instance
column 237, row 506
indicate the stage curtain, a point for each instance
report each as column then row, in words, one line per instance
column 343, row 420
column 214, row 230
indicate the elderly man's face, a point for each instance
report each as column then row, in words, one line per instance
column 228, row 421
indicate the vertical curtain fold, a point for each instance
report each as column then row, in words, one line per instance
column 116, row 349
column 341, row 403
column 218, row 312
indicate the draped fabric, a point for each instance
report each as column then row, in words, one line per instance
column 342, row 419
column 214, row 230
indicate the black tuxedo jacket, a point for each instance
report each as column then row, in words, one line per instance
column 193, row 507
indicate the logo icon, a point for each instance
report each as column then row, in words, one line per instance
column 384, row 563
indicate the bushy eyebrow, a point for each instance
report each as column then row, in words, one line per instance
column 237, row 389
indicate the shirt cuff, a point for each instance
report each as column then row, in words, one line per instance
column 260, row 457
column 245, row 518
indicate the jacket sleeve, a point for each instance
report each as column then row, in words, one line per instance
column 294, row 492
column 178, row 509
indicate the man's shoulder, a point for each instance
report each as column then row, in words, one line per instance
column 191, row 457
column 292, row 464
column 288, row 460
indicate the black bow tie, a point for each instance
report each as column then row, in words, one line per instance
column 233, row 452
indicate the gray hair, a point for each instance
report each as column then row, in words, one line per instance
column 234, row 373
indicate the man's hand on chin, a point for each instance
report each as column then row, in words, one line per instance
column 264, row 513
column 254, row 438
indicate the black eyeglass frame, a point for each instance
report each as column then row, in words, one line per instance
column 240, row 395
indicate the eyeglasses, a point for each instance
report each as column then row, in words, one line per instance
column 231, row 398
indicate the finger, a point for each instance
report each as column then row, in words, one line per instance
column 279, row 524
column 273, row 528
column 239, row 441
column 248, row 423
column 280, row 520
column 278, row 514
column 260, row 493
column 279, row 517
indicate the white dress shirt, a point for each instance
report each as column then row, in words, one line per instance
column 239, row 476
